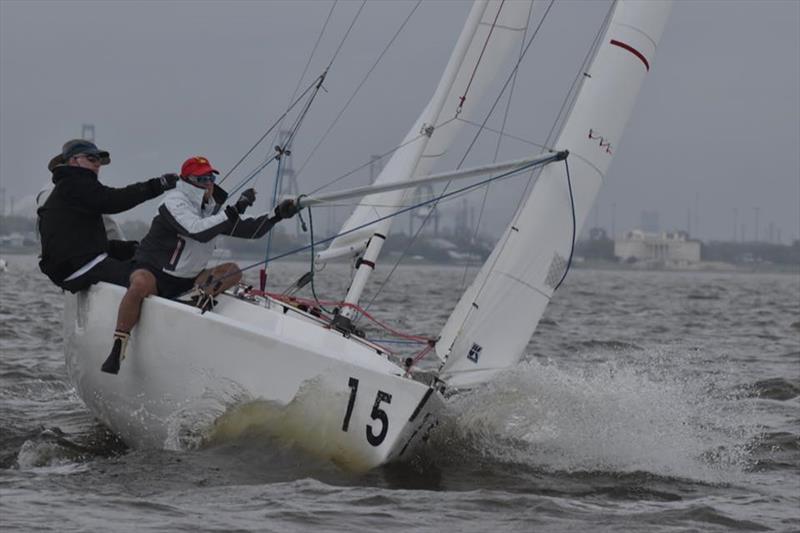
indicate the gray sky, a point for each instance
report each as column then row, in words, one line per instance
column 716, row 126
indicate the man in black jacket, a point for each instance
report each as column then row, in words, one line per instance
column 75, row 250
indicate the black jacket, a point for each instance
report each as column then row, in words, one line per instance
column 70, row 221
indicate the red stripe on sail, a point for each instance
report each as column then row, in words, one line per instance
column 632, row 50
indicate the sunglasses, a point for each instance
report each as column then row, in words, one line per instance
column 205, row 179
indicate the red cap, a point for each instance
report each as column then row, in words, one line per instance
column 197, row 166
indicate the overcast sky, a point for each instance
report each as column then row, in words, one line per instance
column 715, row 133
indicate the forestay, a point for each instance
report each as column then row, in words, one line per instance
column 494, row 320
column 434, row 130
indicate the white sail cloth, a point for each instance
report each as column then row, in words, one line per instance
column 494, row 320
column 467, row 68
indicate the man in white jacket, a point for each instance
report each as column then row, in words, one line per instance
column 172, row 258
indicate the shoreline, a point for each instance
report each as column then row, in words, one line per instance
column 579, row 264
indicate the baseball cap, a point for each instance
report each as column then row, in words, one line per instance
column 197, row 166
column 75, row 147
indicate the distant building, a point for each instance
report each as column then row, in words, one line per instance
column 669, row 247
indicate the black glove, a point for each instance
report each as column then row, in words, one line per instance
column 232, row 213
column 247, row 199
column 286, row 209
column 168, row 181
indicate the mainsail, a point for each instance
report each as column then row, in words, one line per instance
column 496, row 317
column 491, row 30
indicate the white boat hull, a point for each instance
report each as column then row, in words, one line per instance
column 329, row 394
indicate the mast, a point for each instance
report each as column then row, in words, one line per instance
column 497, row 315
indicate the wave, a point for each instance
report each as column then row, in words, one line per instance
column 53, row 449
column 612, row 345
column 641, row 416
column 776, row 389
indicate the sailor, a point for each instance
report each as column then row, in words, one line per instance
column 76, row 252
column 172, row 258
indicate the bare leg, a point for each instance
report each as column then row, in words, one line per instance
column 142, row 285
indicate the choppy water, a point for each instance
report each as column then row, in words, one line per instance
column 648, row 401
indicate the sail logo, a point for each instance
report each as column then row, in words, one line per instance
column 474, row 352
column 605, row 144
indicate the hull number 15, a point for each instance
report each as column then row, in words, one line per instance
column 377, row 414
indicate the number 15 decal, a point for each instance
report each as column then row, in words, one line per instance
column 376, row 414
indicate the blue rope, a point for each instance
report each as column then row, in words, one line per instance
column 388, row 341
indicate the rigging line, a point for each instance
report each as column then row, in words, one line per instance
column 504, row 134
column 303, row 75
column 463, row 97
column 352, row 23
column 400, row 259
column 328, row 239
column 313, row 51
column 380, row 157
column 463, row 190
column 292, row 132
column 569, row 99
column 252, row 175
column 396, row 213
column 574, row 228
column 274, row 125
column 497, row 146
column 308, row 63
column 278, row 176
column 516, row 67
column 511, row 77
column 505, row 85
column 313, row 268
column 503, row 239
column 358, row 88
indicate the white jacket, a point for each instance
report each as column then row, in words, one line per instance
column 182, row 234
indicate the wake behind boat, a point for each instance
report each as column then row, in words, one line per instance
column 345, row 391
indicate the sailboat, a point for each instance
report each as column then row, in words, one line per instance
column 344, row 395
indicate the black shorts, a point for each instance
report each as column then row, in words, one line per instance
column 168, row 286
column 109, row 269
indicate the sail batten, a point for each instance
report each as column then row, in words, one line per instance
column 497, row 315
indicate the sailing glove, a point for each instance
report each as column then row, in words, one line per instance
column 168, row 181
column 232, row 213
column 286, row 209
column 247, row 199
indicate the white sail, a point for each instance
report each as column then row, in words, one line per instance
column 418, row 152
column 494, row 320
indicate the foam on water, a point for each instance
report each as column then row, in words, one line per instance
column 190, row 427
column 620, row 417
column 51, row 452
column 302, row 420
